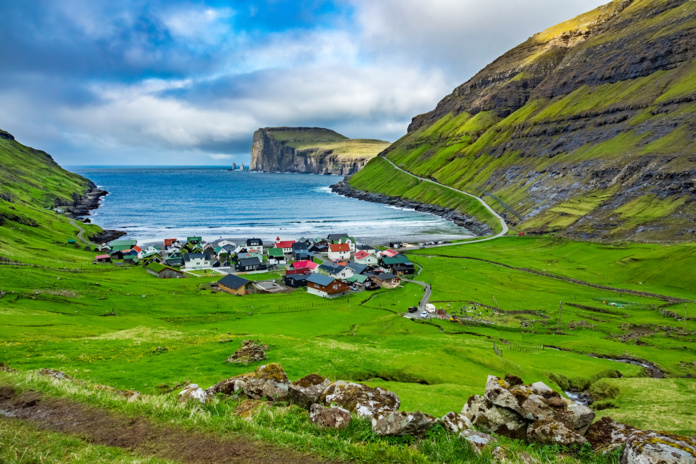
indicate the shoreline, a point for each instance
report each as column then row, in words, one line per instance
column 81, row 207
column 462, row 220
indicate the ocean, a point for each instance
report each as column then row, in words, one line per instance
column 153, row 203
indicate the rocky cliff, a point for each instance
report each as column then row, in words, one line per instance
column 587, row 128
column 310, row 150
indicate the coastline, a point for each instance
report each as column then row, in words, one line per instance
column 462, row 220
column 82, row 205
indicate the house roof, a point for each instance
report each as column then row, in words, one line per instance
column 194, row 239
column 233, row 281
column 331, row 268
column 309, row 264
column 137, row 248
column 102, row 257
column 398, row 259
column 249, row 261
column 275, row 252
column 284, row 243
column 190, row 256
column 297, row 246
column 128, row 243
column 385, row 276
column 333, row 237
column 320, row 279
column 357, row 278
column 356, row 267
column 298, row 276
column 336, row 247
column 130, row 258
column 254, row 242
column 361, row 254
column 389, row 252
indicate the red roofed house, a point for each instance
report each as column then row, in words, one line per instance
column 389, row 253
column 339, row 251
column 137, row 248
column 309, row 264
column 286, row 245
column 169, row 242
column 368, row 259
column 102, row 259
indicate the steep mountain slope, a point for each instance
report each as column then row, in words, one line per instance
column 587, row 128
column 310, row 150
column 31, row 185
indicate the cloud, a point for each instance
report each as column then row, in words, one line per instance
column 157, row 82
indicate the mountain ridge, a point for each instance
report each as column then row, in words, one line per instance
column 585, row 129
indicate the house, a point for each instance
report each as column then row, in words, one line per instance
column 396, row 244
column 244, row 254
column 357, row 281
column 305, row 264
column 163, row 272
column 254, row 245
column 389, row 252
column 386, row 279
column 227, row 243
column 276, row 256
column 326, row 287
column 368, row 259
column 102, row 259
column 234, row 284
column 357, row 268
column 329, row 269
column 339, row 251
column 335, row 237
column 348, row 240
column 150, row 258
column 298, row 271
column 130, row 259
column 194, row 240
column 250, row 264
column 103, row 248
column 120, row 245
column 285, row 245
column 398, row 265
column 296, row 280
column 168, row 242
column 176, row 262
column 342, row 272
column 197, row 261
column 300, row 251
column 367, row 248
column 318, row 248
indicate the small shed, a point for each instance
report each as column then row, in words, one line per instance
column 163, row 272
column 102, row 259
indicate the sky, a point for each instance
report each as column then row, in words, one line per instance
column 163, row 82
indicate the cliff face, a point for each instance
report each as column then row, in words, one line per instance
column 310, row 150
column 588, row 128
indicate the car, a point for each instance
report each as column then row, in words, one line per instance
column 412, row 309
column 424, row 314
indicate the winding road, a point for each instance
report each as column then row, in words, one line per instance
column 503, row 224
column 80, row 232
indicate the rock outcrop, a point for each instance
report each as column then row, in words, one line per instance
column 310, row 150
column 193, row 393
column 331, row 418
column 400, row 423
column 360, row 399
column 251, row 351
column 649, row 447
column 306, row 391
column 267, row 382
column 551, row 432
column 494, row 419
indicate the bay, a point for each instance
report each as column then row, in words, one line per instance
column 153, row 203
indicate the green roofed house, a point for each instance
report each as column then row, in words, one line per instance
column 398, row 265
column 349, row 240
column 71, row 241
column 163, row 272
column 130, row 259
column 121, row 245
column 276, row 256
column 194, row 240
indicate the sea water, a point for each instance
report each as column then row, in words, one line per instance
column 154, row 203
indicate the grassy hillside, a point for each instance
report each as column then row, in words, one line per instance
column 324, row 141
column 31, row 184
column 586, row 128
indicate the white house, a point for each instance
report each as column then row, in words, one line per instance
column 339, row 251
column 350, row 241
column 285, row 245
column 368, row 259
column 225, row 243
column 254, row 245
column 197, row 261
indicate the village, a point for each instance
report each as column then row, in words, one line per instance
column 328, row 267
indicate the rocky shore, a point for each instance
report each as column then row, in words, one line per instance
column 462, row 220
column 81, row 205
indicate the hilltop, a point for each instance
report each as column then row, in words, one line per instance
column 586, row 129
column 310, row 150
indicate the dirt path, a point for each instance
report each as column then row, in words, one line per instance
column 80, row 232
column 500, row 219
column 104, row 427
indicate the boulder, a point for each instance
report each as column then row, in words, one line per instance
column 494, row 419
column 333, row 418
column 268, row 381
column 306, row 391
column 193, row 393
column 250, row 351
column 537, row 402
column 478, row 440
column 551, row 432
column 455, row 423
column 360, row 399
column 229, row 386
column 649, row 447
column 400, row 423
column 605, row 434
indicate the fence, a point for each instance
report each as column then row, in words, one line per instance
column 518, row 348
